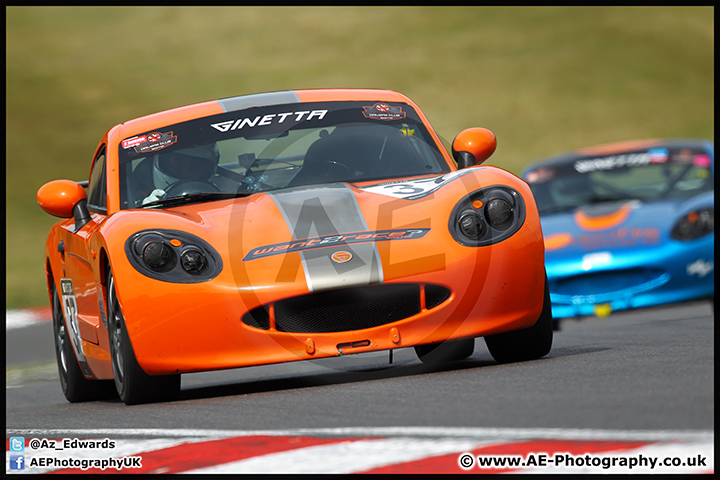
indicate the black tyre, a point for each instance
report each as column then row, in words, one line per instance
column 527, row 344
column 451, row 351
column 75, row 386
column 133, row 385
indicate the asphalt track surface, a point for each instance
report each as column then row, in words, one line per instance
column 638, row 383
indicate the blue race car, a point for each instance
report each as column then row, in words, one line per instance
column 627, row 225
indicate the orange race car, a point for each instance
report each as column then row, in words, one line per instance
column 287, row 226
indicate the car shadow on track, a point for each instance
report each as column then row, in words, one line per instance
column 293, row 381
column 358, row 374
column 336, row 371
column 337, row 377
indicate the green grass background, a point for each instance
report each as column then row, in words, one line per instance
column 544, row 79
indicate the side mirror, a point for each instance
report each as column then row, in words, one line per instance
column 64, row 199
column 473, row 146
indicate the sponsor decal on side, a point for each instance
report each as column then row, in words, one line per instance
column 335, row 240
column 700, row 267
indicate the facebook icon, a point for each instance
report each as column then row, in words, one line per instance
column 17, row 462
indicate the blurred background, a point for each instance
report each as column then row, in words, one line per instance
column 544, row 79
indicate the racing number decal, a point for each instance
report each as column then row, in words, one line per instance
column 403, row 189
column 414, row 189
column 70, row 308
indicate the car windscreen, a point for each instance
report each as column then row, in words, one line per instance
column 649, row 175
column 281, row 146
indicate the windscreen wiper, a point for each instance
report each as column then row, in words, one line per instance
column 187, row 198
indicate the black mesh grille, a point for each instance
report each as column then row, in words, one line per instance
column 347, row 309
column 435, row 295
column 258, row 318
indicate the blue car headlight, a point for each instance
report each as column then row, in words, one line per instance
column 172, row 256
column 695, row 224
column 487, row 216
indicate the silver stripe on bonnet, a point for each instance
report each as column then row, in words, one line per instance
column 258, row 100
column 329, row 210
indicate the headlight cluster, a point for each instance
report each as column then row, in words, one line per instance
column 487, row 216
column 172, row 256
column 694, row 225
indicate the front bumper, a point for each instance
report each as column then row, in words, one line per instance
column 675, row 272
column 465, row 292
